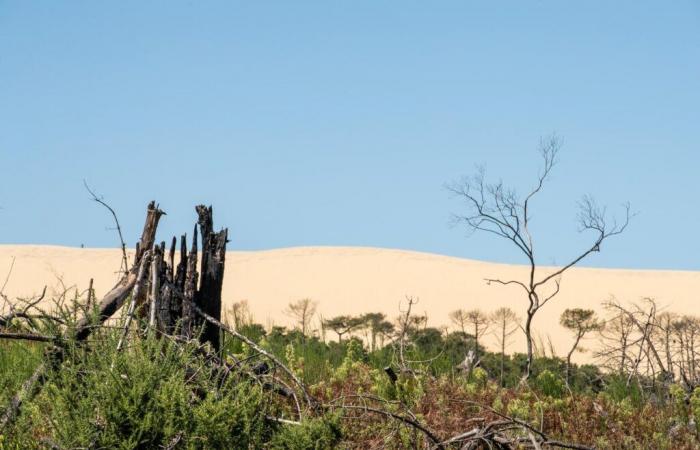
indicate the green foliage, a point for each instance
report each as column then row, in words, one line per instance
column 354, row 352
column 617, row 389
column 695, row 408
column 150, row 395
column 17, row 362
column 313, row 434
column 154, row 393
column 519, row 409
column 580, row 320
column 549, row 384
column 677, row 395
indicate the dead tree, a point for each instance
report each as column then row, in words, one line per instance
column 663, row 332
column 645, row 355
column 208, row 297
column 686, row 337
column 302, row 311
column 615, row 342
column 496, row 209
column 167, row 298
column 459, row 318
column 480, row 323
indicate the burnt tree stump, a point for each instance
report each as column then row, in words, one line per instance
column 208, row 297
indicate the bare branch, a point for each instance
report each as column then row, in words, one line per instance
column 100, row 199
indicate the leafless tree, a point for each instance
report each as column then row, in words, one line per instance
column 616, row 340
column 406, row 325
column 302, row 311
column 581, row 322
column 496, row 209
column 480, row 323
column 645, row 356
column 663, row 332
column 459, row 319
column 239, row 313
column 686, row 337
column 506, row 324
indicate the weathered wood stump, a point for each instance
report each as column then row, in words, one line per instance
column 168, row 296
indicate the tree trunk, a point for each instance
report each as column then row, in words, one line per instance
column 503, row 350
column 188, row 317
column 528, row 338
column 568, row 357
column 208, row 297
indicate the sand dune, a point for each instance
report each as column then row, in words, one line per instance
column 347, row 280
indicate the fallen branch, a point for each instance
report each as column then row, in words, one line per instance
column 309, row 400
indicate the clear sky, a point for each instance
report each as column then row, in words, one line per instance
column 338, row 123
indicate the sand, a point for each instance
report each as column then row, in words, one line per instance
column 349, row 280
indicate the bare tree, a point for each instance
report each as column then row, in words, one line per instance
column 616, row 339
column 496, row 209
column 686, row 334
column 506, row 323
column 459, row 319
column 581, row 322
column 643, row 317
column 664, row 333
column 302, row 311
column 480, row 323
column 406, row 326
column 239, row 313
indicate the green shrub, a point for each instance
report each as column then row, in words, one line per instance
column 313, row 434
column 17, row 361
column 151, row 394
column 549, row 384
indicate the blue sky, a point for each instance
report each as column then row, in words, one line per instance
column 338, row 123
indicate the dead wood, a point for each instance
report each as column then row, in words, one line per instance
column 208, row 297
column 190, row 289
column 111, row 302
column 309, row 400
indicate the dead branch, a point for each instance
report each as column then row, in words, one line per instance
column 100, row 199
column 309, row 399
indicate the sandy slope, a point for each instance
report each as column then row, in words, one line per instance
column 346, row 280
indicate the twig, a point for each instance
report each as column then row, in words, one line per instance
column 7, row 277
column 125, row 262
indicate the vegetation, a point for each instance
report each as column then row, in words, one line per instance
column 158, row 393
